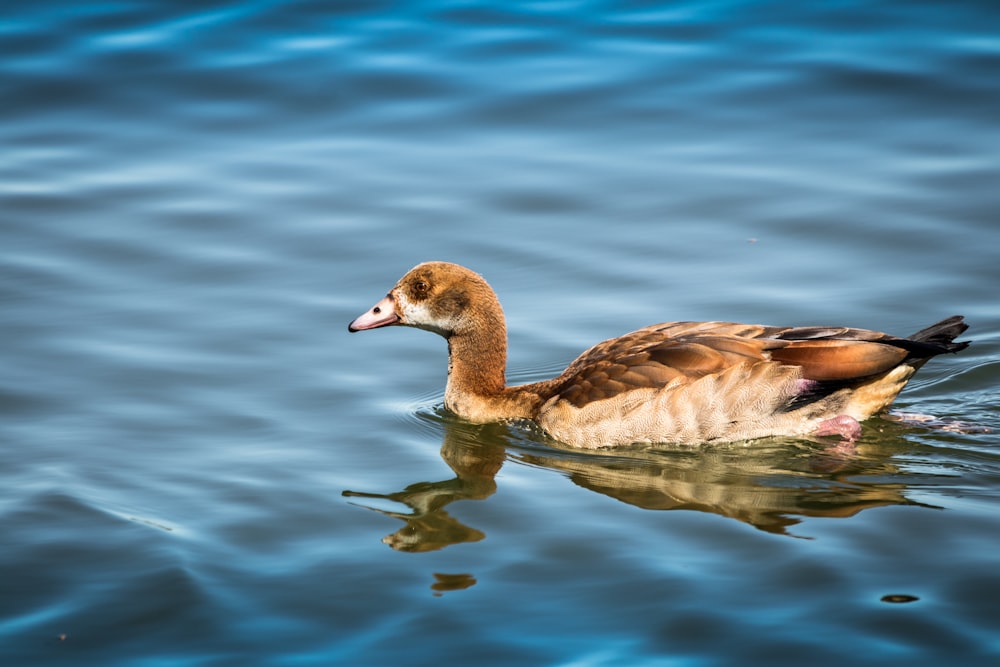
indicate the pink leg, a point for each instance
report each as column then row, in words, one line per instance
column 836, row 455
column 845, row 426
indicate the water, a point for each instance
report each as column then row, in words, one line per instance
column 200, row 466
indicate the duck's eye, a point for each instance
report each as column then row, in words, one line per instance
column 421, row 286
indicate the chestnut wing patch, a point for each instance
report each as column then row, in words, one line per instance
column 838, row 353
column 839, row 359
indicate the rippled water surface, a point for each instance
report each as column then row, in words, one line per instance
column 198, row 465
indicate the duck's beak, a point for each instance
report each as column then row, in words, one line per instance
column 382, row 314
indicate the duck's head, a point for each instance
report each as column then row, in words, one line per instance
column 437, row 296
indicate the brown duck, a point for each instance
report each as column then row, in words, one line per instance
column 677, row 382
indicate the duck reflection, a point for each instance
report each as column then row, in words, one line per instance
column 429, row 527
column 769, row 486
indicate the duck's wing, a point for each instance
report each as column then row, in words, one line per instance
column 681, row 352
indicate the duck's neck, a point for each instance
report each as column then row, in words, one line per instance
column 477, row 386
column 476, row 362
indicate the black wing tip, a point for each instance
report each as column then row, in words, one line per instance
column 942, row 335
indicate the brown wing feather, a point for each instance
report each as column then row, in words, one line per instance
column 662, row 353
column 657, row 355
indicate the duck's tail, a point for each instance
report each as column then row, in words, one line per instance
column 937, row 339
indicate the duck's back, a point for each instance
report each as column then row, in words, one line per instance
column 692, row 382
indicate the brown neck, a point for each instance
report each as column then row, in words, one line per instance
column 477, row 359
column 477, row 388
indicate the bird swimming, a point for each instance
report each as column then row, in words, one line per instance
column 674, row 382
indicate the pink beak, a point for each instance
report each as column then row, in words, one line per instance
column 382, row 314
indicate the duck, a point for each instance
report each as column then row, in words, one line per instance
column 685, row 383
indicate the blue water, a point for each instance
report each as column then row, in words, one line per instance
column 200, row 466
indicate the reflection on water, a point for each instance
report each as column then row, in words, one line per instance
column 768, row 486
column 451, row 582
column 765, row 488
column 428, row 525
